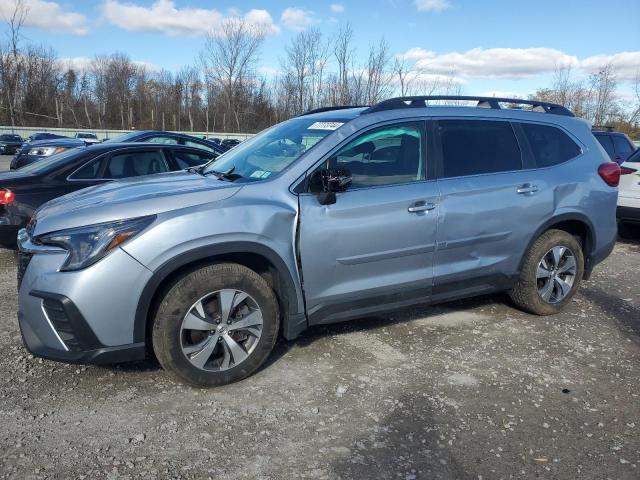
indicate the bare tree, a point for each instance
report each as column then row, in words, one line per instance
column 603, row 85
column 344, row 52
column 229, row 59
column 10, row 57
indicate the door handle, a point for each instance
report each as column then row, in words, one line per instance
column 527, row 189
column 421, row 207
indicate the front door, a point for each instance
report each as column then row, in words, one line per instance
column 373, row 248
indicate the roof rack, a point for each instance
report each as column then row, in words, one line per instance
column 603, row 128
column 483, row 102
column 328, row 109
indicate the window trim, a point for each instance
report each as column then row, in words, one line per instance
column 439, row 157
column 106, row 158
column 301, row 185
column 99, row 158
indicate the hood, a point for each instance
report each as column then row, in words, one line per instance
column 131, row 198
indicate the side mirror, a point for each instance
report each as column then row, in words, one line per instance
column 333, row 180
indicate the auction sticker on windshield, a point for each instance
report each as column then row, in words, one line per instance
column 325, row 125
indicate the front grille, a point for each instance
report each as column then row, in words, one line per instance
column 23, row 262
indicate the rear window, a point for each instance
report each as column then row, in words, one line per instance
column 472, row 147
column 607, row 144
column 549, row 145
column 622, row 145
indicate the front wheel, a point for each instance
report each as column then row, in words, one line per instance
column 216, row 325
column 551, row 273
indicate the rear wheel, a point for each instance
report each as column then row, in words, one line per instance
column 551, row 273
column 216, row 325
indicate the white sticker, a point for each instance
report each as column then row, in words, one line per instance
column 325, row 126
column 260, row 174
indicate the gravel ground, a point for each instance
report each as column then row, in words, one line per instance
column 470, row 389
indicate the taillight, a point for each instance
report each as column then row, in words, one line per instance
column 627, row 170
column 6, row 197
column 610, row 173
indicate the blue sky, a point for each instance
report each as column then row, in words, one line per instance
column 487, row 46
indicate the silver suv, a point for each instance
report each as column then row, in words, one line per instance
column 332, row 215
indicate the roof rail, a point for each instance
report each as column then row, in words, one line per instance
column 603, row 128
column 328, row 109
column 483, row 102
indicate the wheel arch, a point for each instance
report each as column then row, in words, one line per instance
column 576, row 224
column 255, row 256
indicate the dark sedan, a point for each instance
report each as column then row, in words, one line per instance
column 23, row 191
column 9, row 143
column 36, row 151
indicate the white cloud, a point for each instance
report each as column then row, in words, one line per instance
column 432, row 5
column 625, row 64
column 269, row 71
column 297, row 19
column 337, row 8
column 50, row 16
column 515, row 63
column 84, row 63
column 164, row 17
column 491, row 62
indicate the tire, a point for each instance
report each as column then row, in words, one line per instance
column 527, row 295
column 201, row 293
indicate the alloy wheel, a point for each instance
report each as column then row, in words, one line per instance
column 556, row 274
column 221, row 330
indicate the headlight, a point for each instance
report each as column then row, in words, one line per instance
column 87, row 245
column 45, row 151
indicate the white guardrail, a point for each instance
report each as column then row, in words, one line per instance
column 103, row 134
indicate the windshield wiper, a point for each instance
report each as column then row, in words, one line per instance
column 228, row 175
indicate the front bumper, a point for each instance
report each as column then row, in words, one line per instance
column 85, row 316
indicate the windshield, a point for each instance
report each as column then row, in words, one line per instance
column 87, row 135
column 52, row 161
column 272, row 150
column 125, row 137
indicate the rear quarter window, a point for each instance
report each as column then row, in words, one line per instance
column 549, row 145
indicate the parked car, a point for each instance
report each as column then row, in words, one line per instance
column 23, row 191
column 617, row 144
column 9, row 143
column 34, row 152
column 333, row 215
column 44, row 136
column 629, row 195
column 88, row 138
column 229, row 143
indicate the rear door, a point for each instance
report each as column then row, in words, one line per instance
column 373, row 248
column 492, row 202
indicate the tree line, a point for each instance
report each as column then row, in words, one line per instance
column 224, row 90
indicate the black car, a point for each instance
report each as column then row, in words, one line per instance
column 229, row 143
column 33, row 152
column 39, row 149
column 9, row 143
column 617, row 144
column 23, row 191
